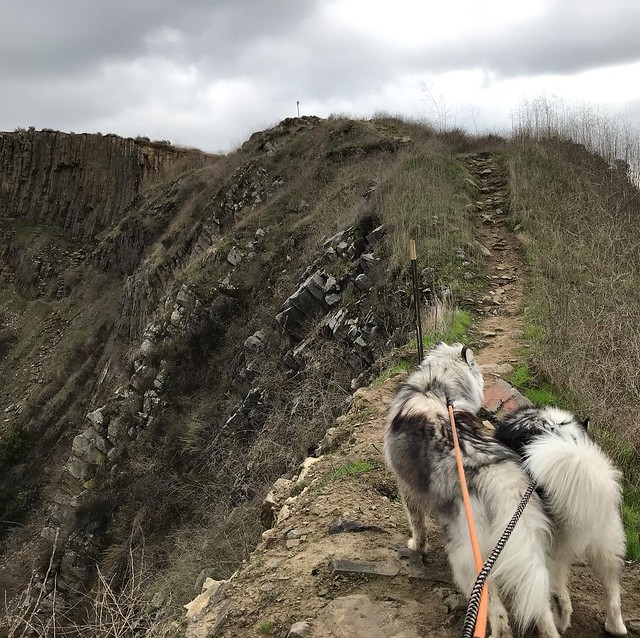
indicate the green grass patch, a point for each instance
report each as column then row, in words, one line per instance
column 457, row 324
column 265, row 628
column 535, row 389
column 502, row 156
column 631, row 519
column 360, row 415
column 352, row 468
column 403, row 365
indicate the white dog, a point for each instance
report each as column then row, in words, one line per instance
column 419, row 450
column 581, row 489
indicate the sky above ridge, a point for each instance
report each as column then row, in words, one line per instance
column 208, row 73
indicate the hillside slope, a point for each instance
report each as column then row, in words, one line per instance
column 335, row 563
column 158, row 357
column 178, row 331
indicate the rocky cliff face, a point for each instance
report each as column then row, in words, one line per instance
column 82, row 183
column 183, row 338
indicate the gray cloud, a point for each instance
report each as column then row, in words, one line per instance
column 208, row 73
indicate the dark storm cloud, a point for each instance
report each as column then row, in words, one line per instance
column 570, row 37
column 41, row 37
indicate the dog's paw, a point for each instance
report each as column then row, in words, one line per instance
column 414, row 544
column 502, row 631
column 615, row 626
column 562, row 611
column 562, row 623
column 561, row 620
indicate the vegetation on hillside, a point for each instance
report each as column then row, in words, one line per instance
column 187, row 493
column 579, row 211
column 207, row 487
column 190, row 486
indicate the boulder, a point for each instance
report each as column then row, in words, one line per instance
column 273, row 502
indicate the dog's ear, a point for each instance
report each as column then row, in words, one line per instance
column 467, row 355
column 585, row 424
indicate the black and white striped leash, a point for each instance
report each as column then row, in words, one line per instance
column 474, row 600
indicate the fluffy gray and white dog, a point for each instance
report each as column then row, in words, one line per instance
column 419, row 450
column 581, row 490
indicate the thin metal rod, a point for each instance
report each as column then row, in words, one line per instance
column 416, row 297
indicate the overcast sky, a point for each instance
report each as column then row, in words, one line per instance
column 208, row 73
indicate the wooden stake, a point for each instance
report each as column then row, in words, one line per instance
column 416, row 297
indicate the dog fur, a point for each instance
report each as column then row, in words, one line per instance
column 581, row 490
column 419, row 450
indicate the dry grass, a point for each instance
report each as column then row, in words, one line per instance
column 612, row 139
column 111, row 610
column 584, row 305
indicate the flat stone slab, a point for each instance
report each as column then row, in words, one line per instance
column 342, row 566
column 497, row 368
column 341, row 525
column 412, row 563
column 502, row 398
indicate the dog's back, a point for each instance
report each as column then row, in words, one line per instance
column 581, row 486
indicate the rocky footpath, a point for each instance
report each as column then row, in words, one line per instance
column 333, row 560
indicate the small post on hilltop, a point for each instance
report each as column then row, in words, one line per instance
column 298, row 105
column 416, row 297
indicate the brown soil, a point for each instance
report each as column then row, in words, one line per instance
column 284, row 584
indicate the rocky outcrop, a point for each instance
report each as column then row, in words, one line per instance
column 276, row 138
column 250, row 185
column 109, row 430
column 321, row 291
column 351, row 257
column 84, row 182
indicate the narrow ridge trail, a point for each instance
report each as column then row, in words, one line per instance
column 501, row 327
column 311, row 573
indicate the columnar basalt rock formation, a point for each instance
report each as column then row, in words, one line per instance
column 84, row 182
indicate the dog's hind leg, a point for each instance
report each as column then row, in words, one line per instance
column 464, row 574
column 546, row 626
column 498, row 615
column 416, row 514
column 559, row 573
column 607, row 570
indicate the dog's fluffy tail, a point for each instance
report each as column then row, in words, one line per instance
column 579, row 483
column 521, row 571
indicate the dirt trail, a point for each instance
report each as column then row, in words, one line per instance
column 501, row 327
column 301, row 572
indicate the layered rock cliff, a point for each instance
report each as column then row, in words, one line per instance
column 181, row 338
column 82, row 183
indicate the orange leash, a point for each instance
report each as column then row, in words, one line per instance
column 481, row 623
